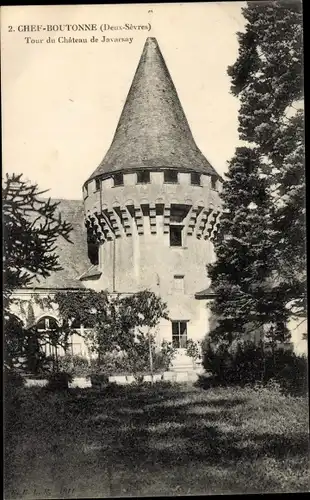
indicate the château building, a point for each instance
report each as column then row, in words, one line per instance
column 149, row 213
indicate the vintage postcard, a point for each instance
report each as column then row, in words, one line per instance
column 155, row 338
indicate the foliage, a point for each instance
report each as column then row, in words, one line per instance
column 112, row 363
column 136, row 360
column 193, row 349
column 32, row 226
column 77, row 366
column 244, row 363
column 115, row 322
column 138, row 354
column 31, row 229
column 22, row 347
column 164, row 356
column 268, row 78
column 86, row 307
column 14, row 339
column 59, row 381
column 99, row 380
column 259, row 276
column 142, row 309
column 241, row 274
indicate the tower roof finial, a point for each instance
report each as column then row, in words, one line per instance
column 153, row 131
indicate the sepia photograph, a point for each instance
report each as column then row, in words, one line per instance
column 154, row 250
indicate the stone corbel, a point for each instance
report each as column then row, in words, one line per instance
column 167, row 219
column 152, row 213
column 139, row 219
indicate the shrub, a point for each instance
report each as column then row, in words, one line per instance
column 246, row 363
column 162, row 358
column 193, row 349
column 110, row 363
column 136, row 362
column 99, row 379
column 77, row 366
column 59, row 381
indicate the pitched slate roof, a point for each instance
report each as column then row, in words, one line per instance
column 153, row 131
column 72, row 256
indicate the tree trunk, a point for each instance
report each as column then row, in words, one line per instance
column 264, row 361
column 151, row 358
column 56, row 358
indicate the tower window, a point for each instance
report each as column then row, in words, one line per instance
column 176, row 236
column 178, row 283
column 97, row 184
column 93, row 253
column 143, row 177
column 118, row 179
column 171, row 176
column 179, row 334
column 213, row 182
column 195, row 179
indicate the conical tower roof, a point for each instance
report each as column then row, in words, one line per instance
column 153, row 131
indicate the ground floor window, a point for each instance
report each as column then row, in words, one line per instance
column 179, row 334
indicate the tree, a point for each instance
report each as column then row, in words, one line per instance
column 245, row 299
column 268, row 79
column 92, row 310
column 143, row 310
column 259, row 276
column 31, row 227
column 115, row 323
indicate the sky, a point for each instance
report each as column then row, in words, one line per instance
column 61, row 102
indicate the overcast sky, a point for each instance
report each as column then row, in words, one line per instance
column 61, row 102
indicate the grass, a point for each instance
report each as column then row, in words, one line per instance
column 145, row 441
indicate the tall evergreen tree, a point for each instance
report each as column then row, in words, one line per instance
column 31, row 227
column 245, row 298
column 268, row 78
column 259, row 276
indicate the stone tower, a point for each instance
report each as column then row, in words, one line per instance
column 152, row 205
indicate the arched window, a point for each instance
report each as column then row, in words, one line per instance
column 47, row 324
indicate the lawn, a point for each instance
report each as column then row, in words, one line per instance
column 145, row 441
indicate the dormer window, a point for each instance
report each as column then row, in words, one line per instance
column 143, row 177
column 171, row 176
column 213, row 182
column 97, row 184
column 118, row 179
column 195, row 179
